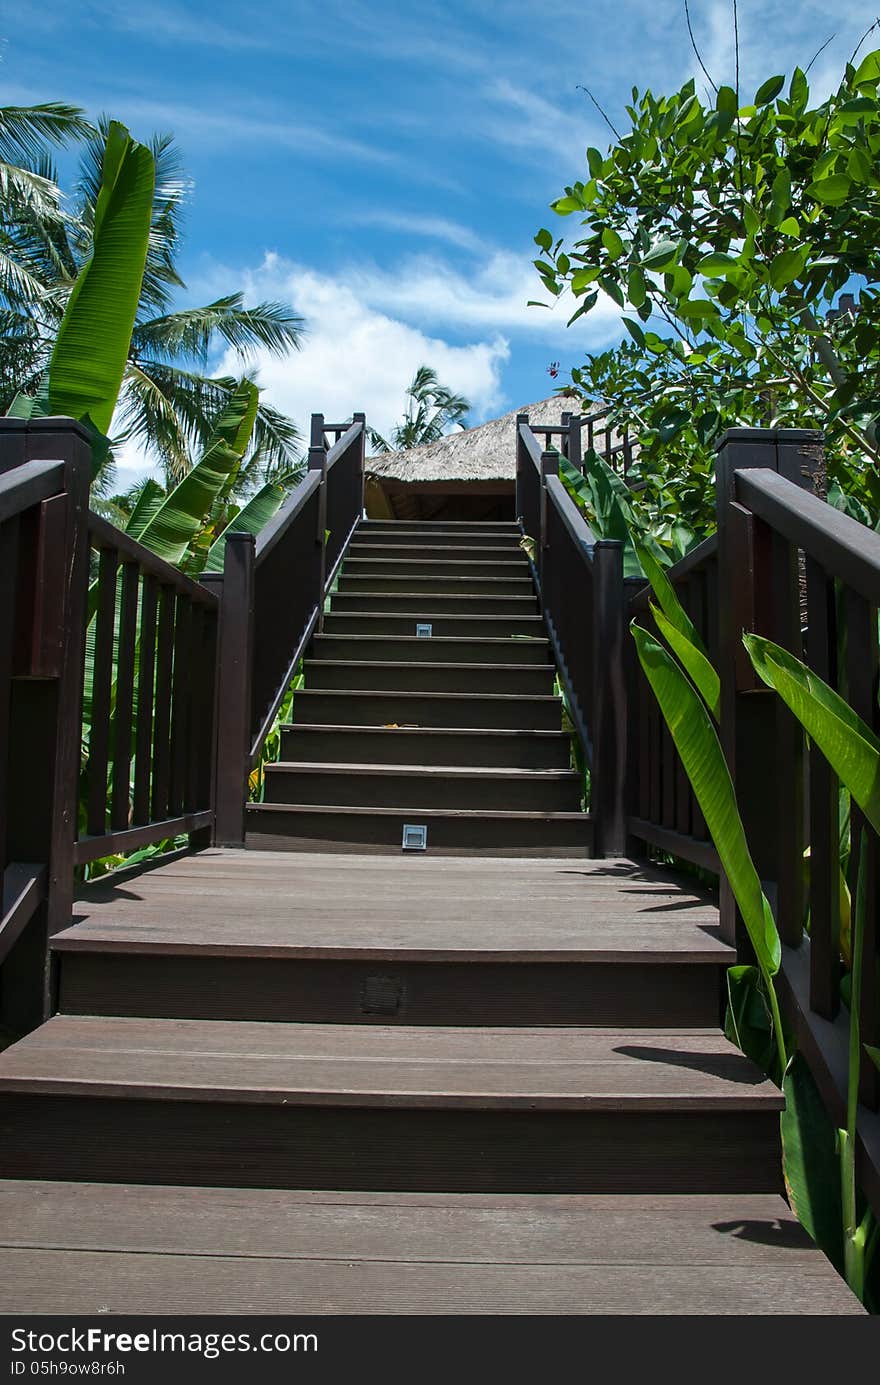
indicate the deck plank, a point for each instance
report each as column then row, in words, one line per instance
column 89, row 1248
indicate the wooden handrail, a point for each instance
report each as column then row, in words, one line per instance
column 846, row 549
column 26, row 485
column 342, row 444
column 579, row 530
column 531, row 444
column 106, row 536
column 286, row 516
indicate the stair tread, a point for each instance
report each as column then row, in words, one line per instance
column 361, row 664
column 346, row 728
column 101, row 1247
column 423, row 771
column 425, row 909
column 500, row 814
column 408, row 692
column 669, row 1070
column 505, row 641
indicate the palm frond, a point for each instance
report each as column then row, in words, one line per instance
column 189, row 333
column 25, row 131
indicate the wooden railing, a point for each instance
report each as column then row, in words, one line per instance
column 581, row 586
column 133, row 700
column 150, row 686
column 273, row 591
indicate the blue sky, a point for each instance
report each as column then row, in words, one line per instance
column 383, row 166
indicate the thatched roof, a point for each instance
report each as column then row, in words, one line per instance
column 485, row 453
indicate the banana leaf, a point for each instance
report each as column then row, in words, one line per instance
column 148, row 502
column 810, row 1161
column 692, row 659
column 249, row 520
column 697, row 743
column 91, row 348
column 183, row 512
column 847, row 742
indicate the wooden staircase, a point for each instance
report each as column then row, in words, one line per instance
column 456, row 730
column 444, row 1082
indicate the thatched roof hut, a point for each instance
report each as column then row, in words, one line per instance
column 470, row 474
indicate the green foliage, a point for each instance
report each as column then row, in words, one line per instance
column 250, row 519
column 91, row 348
column 725, row 233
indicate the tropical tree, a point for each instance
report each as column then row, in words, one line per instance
column 430, row 411
column 725, row 232
column 168, row 400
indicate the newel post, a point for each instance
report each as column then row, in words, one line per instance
column 549, row 467
column 609, row 728
column 362, row 457
column 318, row 462
column 50, row 571
column 759, row 590
column 522, row 458
column 234, row 679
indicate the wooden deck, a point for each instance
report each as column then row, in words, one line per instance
column 357, row 1084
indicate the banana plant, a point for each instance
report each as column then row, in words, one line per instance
column 89, row 357
column 853, row 752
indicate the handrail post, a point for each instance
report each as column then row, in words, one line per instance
column 549, row 467
column 45, row 712
column 235, row 672
column 362, row 456
column 521, row 459
column 318, row 462
column 608, row 732
column 757, row 587
column 573, row 451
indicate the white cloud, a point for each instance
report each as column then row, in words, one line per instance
column 356, row 356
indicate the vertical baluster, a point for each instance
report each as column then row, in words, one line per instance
column 123, row 713
column 789, row 770
column 145, row 699
column 180, row 727
column 195, row 700
column 102, row 683
column 162, row 723
column 823, row 810
column 861, row 672
column 8, row 607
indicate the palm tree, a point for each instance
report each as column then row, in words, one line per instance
column 430, row 411
column 168, row 401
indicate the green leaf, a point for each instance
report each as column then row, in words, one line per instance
column 182, row 513
column 544, row 240
column 634, row 330
column 662, row 254
column 148, row 502
column 831, row 190
column 799, row 90
column 717, row 265
column 693, row 661
column 810, row 1162
column 848, row 744
column 868, row 71
column 748, row 1022
column 612, row 242
column 769, row 90
column 254, row 516
column 701, row 755
column 564, row 206
column 787, row 267
column 596, row 162
column 873, row 1054
column 725, row 100
column 91, row 348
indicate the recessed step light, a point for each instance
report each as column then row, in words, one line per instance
column 424, row 631
column 415, row 837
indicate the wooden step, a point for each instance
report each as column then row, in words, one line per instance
column 429, row 605
column 423, row 567
column 220, row 1103
column 454, row 710
column 527, row 680
column 445, row 534
column 404, row 649
column 429, row 550
column 443, row 585
column 451, row 831
column 99, row 1248
column 423, row 786
column 490, row 627
column 362, row 940
column 410, row 745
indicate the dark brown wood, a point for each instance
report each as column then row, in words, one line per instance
column 9, row 606
column 181, row 721
column 27, row 485
column 146, row 687
column 609, row 700
column 24, row 890
column 789, row 769
column 162, row 720
column 132, row 838
column 699, row 852
column 123, row 717
column 105, row 535
column 102, row 691
column 824, row 895
column 234, row 688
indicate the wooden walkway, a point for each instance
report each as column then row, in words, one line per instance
column 361, row 1084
